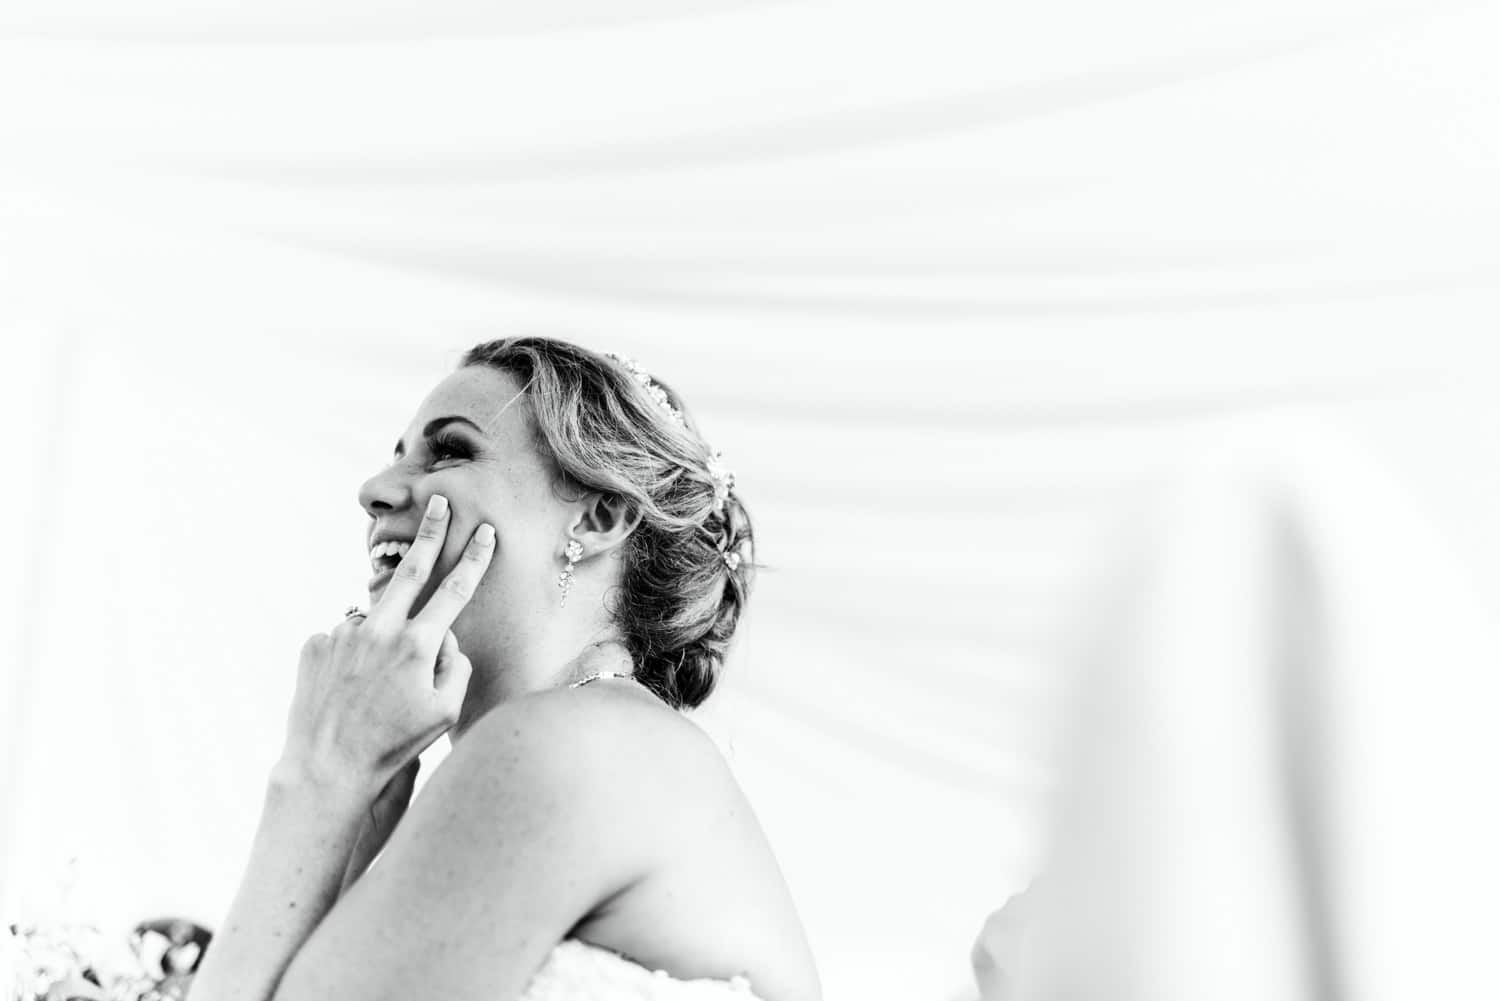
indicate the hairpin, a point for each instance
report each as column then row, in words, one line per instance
column 732, row 560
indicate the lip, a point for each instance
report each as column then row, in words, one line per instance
column 386, row 535
column 381, row 579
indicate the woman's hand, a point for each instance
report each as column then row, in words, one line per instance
column 378, row 690
column 387, row 810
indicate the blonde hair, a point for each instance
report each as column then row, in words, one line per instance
column 679, row 599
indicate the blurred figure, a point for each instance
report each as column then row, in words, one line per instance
column 997, row 951
column 1279, row 777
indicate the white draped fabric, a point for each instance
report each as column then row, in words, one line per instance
column 952, row 285
column 1279, row 761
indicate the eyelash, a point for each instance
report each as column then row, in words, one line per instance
column 447, row 446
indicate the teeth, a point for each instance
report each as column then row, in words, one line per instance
column 389, row 548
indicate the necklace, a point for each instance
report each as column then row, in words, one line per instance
column 603, row 674
column 595, row 653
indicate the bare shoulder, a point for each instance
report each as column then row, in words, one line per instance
column 617, row 734
column 593, row 758
column 707, row 897
column 710, row 899
column 545, row 811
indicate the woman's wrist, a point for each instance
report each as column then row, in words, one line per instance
column 297, row 774
column 309, row 826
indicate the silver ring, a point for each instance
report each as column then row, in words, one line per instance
column 352, row 611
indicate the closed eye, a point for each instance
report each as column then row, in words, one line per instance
column 447, row 446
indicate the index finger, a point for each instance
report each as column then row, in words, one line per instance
column 415, row 567
column 459, row 586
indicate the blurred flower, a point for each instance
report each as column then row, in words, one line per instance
column 70, row 961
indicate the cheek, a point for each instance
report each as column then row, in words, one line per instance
column 528, row 534
column 523, row 551
column 472, row 501
column 520, row 541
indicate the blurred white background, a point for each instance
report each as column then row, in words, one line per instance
column 953, row 285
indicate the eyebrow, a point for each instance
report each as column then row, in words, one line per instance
column 432, row 426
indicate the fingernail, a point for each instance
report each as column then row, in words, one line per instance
column 485, row 535
column 437, row 506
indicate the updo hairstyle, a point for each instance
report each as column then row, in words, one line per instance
column 679, row 599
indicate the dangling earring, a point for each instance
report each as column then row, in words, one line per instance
column 565, row 579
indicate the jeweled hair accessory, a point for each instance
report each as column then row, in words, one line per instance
column 652, row 389
column 723, row 481
column 722, row 477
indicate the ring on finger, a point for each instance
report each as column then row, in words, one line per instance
column 354, row 610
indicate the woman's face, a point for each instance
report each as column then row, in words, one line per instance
column 471, row 441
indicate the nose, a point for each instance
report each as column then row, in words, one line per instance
column 388, row 490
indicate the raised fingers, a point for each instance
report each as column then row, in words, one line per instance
column 458, row 587
column 416, row 566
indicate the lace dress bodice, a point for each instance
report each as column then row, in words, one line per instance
column 576, row 970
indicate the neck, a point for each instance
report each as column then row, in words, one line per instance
column 506, row 671
column 525, row 642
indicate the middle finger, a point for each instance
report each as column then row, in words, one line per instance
column 415, row 567
column 460, row 583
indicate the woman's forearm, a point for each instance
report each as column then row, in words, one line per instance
column 308, row 828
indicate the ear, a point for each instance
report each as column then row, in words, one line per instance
column 604, row 522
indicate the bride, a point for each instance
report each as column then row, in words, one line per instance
column 560, row 565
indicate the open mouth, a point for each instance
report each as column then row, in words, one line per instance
column 385, row 557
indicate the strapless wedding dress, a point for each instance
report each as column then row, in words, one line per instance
column 576, row 970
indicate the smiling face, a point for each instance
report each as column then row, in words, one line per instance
column 471, row 440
